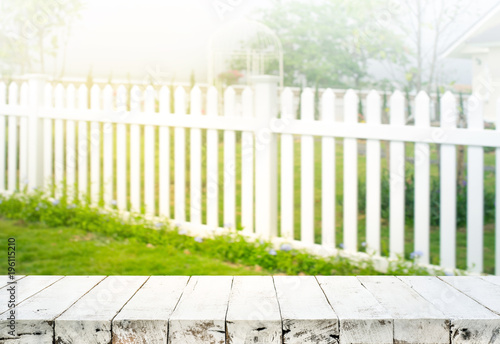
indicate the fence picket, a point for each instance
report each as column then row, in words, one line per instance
column 229, row 162
column 180, row 158
column 475, row 189
column 350, row 175
column 83, row 144
column 397, row 180
column 12, row 148
column 422, row 181
column 95, row 147
column 3, row 134
column 307, row 171
column 373, row 176
column 135, row 151
column 247, row 159
column 328, row 172
column 23, row 139
column 70, row 145
column 149, row 154
column 48, row 148
column 497, row 202
column 195, row 164
column 448, row 186
column 121, row 150
column 287, row 169
column 212, row 162
column 59, row 143
column 164, row 155
column 107, row 149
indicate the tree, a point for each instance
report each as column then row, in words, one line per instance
column 333, row 42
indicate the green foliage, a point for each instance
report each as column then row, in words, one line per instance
column 332, row 42
column 232, row 247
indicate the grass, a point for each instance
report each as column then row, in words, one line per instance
column 44, row 250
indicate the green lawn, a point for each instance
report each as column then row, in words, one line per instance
column 69, row 251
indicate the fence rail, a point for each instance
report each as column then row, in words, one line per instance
column 235, row 163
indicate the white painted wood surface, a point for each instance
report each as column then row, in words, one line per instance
column 247, row 166
column 350, row 175
column 164, row 155
column 212, row 162
column 200, row 315
column 95, row 148
column 107, row 149
column 477, row 288
column 149, row 155
column 306, row 314
column 48, row 141
column 416, row 320
column 23, row 139
column 287, row 169
column 448, row 186
column 180, row 159
column 12, row 143
column 195, row 163
column 470, row 322
column 362, row 319
column 397, row 180
column 3, row 133
column 307, row 171
column 83, row 145
column 89, row 320
column 229, row 169
column 135, row 151
column 373, row 177
column 35, row 316
column 328, row 162
column 475, row 189
column 58, row 142
column 144, row 319
column 70, row 153
column 253, row 314
column 121, row 151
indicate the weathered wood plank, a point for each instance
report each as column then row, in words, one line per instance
column 144, row 319
column 492, row 279
column 34, row 318
column 362, row 319
column 89, row 320
column 484, row 292
column 470, row 321
column 253, row 314
column 200, row 315
column 416, row 320
column 306, row 314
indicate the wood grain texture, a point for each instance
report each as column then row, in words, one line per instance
column 144, row 319
column 89, row 320
column 200, row 316
column 253, row 315
column 470, row 321
column 362, row 319
column 306, row 314
column 416, row 320
column 483, row 291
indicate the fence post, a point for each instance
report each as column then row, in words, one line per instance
column 36, row 89
column 266, row 168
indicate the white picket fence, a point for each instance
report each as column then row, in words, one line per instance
column 122, row 155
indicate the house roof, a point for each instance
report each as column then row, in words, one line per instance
column 479, row 37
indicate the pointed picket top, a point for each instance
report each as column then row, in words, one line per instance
column 307, row 104
column 121, row 98
column 196, row 100
column 448, row 111
column 328, row 105
column 422, row 113
column 164, row 100
column 59, row 96
column 149, row 99
column 48, row 95
column 23, row 98
column 107, row 98
column 212, row 102
column 95, row 97
column 82, row 97
column 3, row 93
column 180, row 101
column 247, row 102
column 475, row 112
column 373, row 108
column 351, row 106
column 135, row 99
column 287, row 103
column 13, row 93
column 397, row 106
column 229, row 102
column 70, row 96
